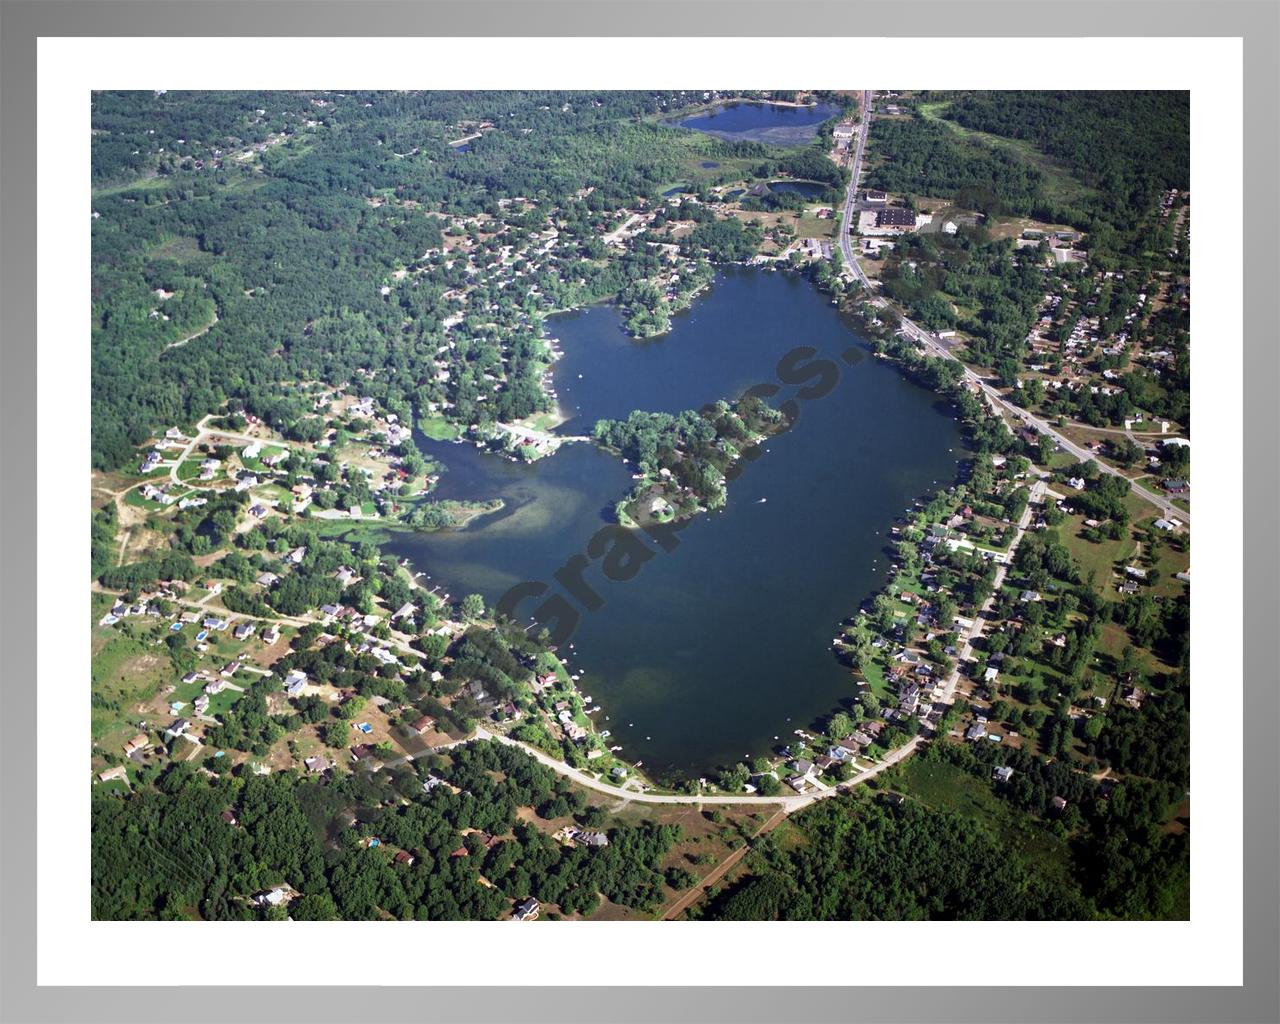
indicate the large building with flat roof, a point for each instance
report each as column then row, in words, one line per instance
column 895, row 217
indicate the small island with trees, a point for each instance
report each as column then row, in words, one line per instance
column 299, row 298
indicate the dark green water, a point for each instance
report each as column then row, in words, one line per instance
column 808, row 189
column 720, row 645
column 762, row 122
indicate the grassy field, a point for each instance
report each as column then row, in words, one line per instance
column 1100, row 557
column 438, row 429
column 124, row 673
column 190, row 470
column 945, row 787
column 1060, row 185
column 813, row 227
column 1115, row 639
column 221, row 703
column 873, row 673
column 150, row 183
column 177, row 248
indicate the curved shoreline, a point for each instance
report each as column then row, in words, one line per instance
column 849, row 613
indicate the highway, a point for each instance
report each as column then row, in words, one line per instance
column 934, row 345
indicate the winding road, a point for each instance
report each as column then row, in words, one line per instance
column 789, row 803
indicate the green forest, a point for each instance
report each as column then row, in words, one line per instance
column 269, row 229
column 167, row 853
column 876, row 857
column 1109, row 156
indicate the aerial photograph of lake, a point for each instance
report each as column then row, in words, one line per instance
column 714, row 648
column 639, row 504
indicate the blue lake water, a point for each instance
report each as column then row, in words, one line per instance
column 772, row 123
column 718, row 646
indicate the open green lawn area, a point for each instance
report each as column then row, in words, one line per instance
column 439, row 429
column 1168, row 564
column 222, row 645
column 185, row 693
column 1099, row 558
column 274, row 492
column 1115, row 638
column 149, row 184
column 123, row 672
column 176, row 248
column 136, row 499
column 539, row 421
column 814, row 227
column 946, row 787
column 350, row 532
column 189, row 469
column 1141, row 510
column 221, row 703
column 873, row 673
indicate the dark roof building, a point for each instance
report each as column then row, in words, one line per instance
column 895, row 217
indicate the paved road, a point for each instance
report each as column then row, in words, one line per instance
column 851, row 196
column 233, row 618
column 935, row 346
column 202, row 433
column 789, row 803
column 965, row 651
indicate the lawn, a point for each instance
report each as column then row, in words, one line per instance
column 542, row 421
column 438, row 428
column 220, row 703
column 1100, row 557
column 813, row 227
column 175, row 247
column 136, row 499
column 1168, row 564
column 1115, row 639
column 190, row 470
column 123, row 672
column 151, row 182
column 873, row 673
